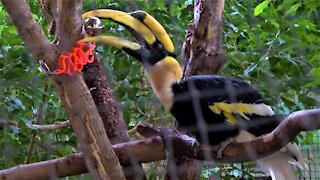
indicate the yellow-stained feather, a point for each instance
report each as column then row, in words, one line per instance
column 125, row 19
column 113, row 41
column 159, row 31
column 240, row 108
column 230, row 118
column 162, row 75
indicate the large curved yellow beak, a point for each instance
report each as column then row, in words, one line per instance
column 141, row 22
column 117, row 42
column 124, row 19
column 157, row 29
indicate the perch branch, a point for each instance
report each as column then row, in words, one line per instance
column 291, row 126
column 153, row 149
column 145, row 151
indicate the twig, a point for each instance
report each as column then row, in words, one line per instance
column 148, row 120
column 39, row 118
column 56, row 126
column 8, row 122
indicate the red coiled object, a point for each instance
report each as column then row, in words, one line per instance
column 73, row 61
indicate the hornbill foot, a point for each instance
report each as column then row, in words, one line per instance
column 222, row 146
column 44, row 67
column 195, row 147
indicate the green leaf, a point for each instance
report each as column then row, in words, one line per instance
column 293, row 9
column 274, row 23
column 259, row 9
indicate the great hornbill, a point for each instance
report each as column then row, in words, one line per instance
column 213, row 108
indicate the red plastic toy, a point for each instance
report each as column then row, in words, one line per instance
column 74, row 60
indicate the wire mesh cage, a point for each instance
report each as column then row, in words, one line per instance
column 272, row 45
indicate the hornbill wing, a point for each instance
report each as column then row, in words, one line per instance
column 223, row 100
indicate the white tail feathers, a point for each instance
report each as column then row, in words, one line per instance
column 293, row 148
column 278, row 163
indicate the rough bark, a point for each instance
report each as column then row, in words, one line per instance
column 202, row 49
column 106, row 102
column 110, row 113
column 202, row 54
column 73, row 92
column 153, row 149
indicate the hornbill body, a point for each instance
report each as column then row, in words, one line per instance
column 215, row 109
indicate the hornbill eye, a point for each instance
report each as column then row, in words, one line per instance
column 157, row 46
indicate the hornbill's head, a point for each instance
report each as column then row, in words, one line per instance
column 154, row 49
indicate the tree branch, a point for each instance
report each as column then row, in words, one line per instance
column 77, row 100
column 153, row 149
column 291, row 126
column 55, row 126
column 145, row 151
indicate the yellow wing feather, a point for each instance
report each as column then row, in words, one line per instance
column 229, row 109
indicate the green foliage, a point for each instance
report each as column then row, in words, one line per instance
column 275, row 50
column 259, row 9
column 272, row 44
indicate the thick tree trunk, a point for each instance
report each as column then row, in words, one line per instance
column 202, row 49
column 110, row 113
column 202, row 53
column 74, row 94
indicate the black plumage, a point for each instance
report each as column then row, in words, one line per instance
column 193, row 96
